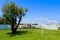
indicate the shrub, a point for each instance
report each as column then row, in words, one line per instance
column 58, row 28
column 34, row 27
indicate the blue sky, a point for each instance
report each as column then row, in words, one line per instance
column 37, row 9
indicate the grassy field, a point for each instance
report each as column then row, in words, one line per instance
column 30, row 34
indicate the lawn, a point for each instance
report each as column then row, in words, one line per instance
column 30, row 34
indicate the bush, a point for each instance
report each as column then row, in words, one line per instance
column 58, row 28
column 28, row 27
column 34, row 27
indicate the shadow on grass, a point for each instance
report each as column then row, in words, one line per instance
column 18, row 33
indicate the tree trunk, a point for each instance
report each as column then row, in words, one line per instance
column 14, row 28
column 12, row 25
column 18, row 22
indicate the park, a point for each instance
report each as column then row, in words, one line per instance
column 29, row 20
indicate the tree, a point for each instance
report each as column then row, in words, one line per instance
column 11, row 12
column 3, row 21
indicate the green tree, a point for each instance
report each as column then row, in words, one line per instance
column 11, row 12
column 3, row 20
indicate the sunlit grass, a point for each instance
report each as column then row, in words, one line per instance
column 30, row 34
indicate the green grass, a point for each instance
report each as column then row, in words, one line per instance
column 30, row 34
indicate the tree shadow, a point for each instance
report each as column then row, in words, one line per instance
column 17, row 33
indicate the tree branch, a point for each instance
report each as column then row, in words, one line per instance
column 19, row 22
column 9, row 20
